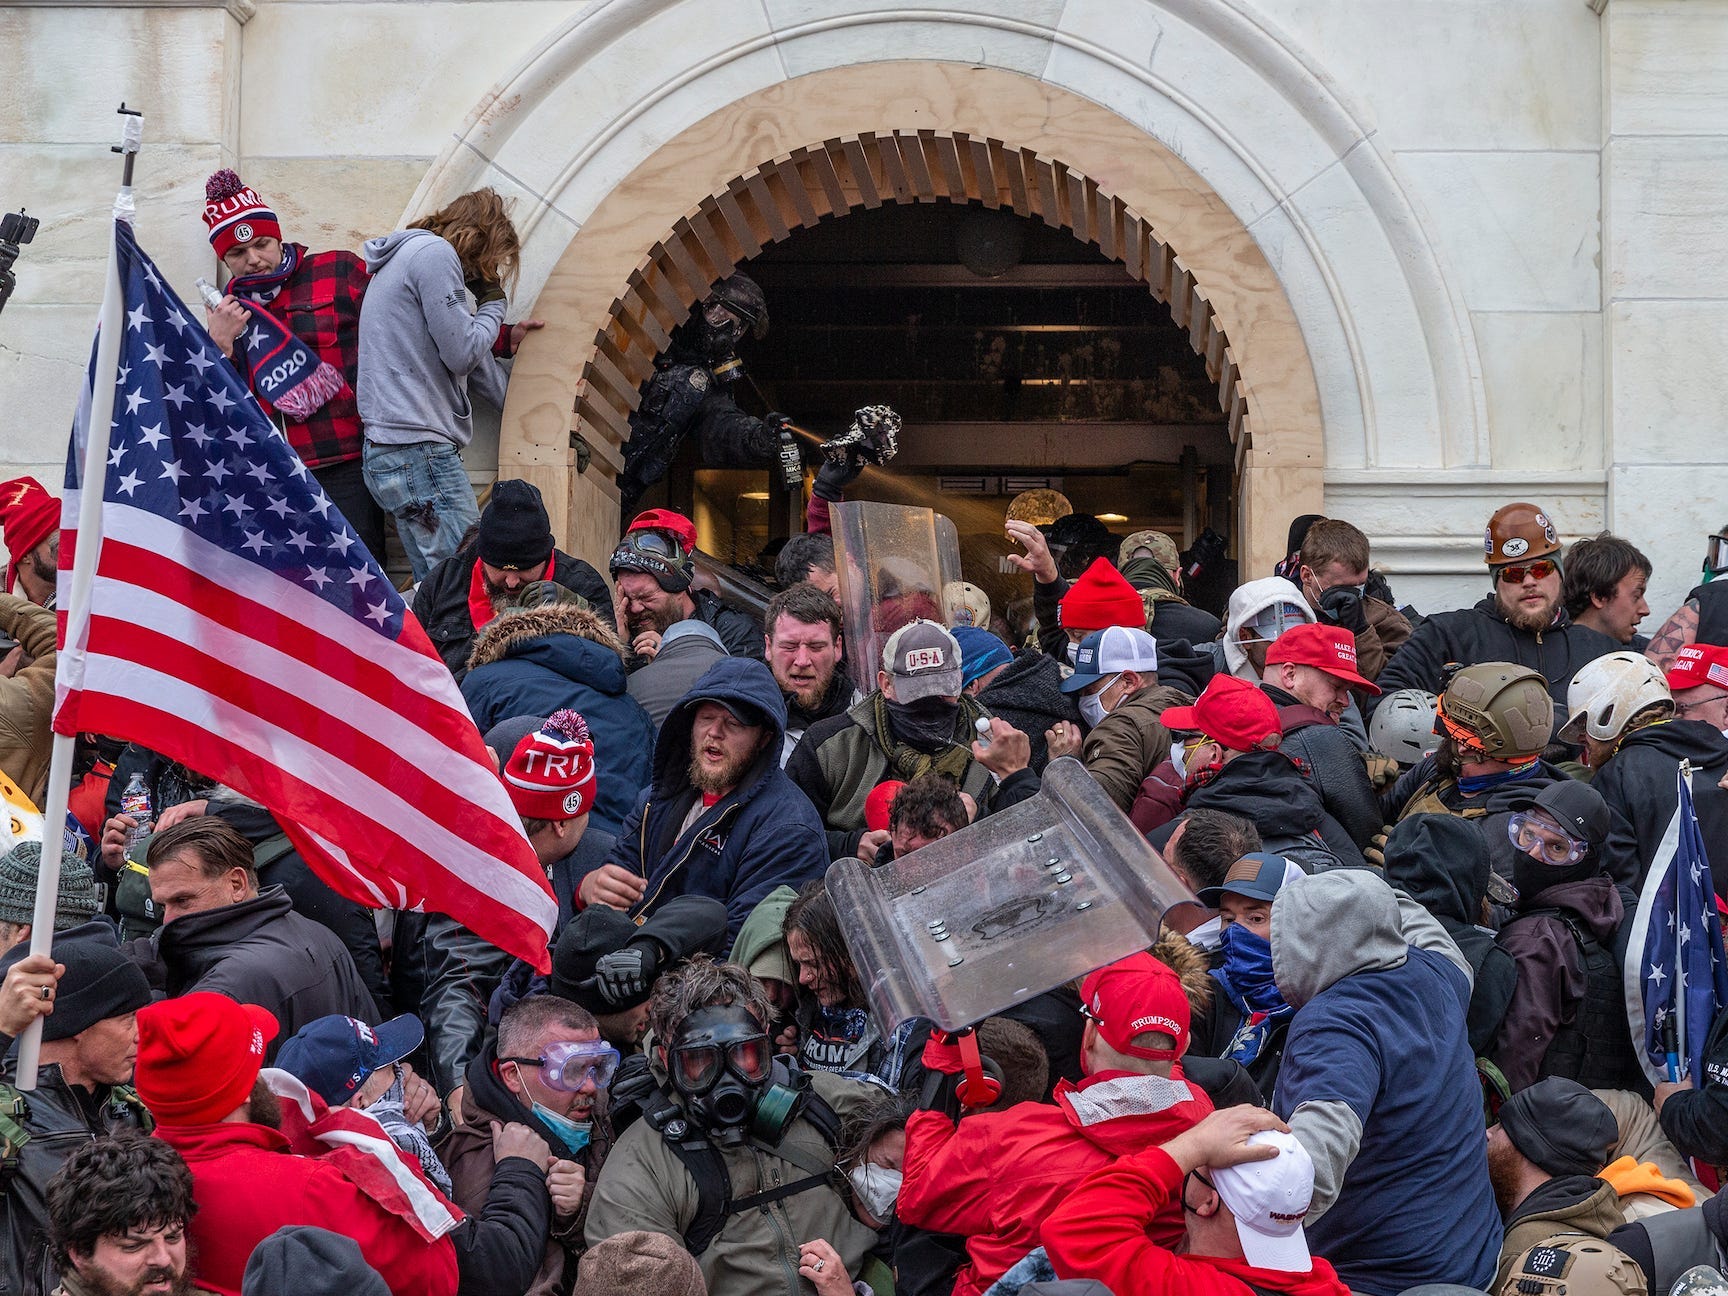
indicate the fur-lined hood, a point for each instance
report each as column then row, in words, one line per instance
column 512, row 630
column 1191, row 968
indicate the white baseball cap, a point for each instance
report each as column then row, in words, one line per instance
column 1269, row 1199
column 1108, row 652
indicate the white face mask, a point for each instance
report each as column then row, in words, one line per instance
column 1092, row 705
column 877, row 1187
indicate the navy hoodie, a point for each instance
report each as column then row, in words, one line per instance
column 762, row 834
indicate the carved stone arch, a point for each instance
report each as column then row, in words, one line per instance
column 863, row 171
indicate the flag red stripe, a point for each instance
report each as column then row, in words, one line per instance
column 185, row 740
column 238, row 682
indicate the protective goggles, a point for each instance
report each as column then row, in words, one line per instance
column 1716, row 555
column 1514, row 574
column 650, row 544
column 696, row 1068
column 567, row 1065
column 1543, row 841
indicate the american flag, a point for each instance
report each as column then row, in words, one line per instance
column 238, row 625
column 1676, row 968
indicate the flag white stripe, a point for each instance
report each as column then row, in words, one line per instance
column 124, row 524
column 1632, row 974
column 167, row 615
column 321, row 769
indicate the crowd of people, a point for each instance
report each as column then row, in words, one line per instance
column 1383, row 1044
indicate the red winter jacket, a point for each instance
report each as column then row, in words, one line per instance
column 996, row 1176
column 1100, row 1231
column 248, row 1184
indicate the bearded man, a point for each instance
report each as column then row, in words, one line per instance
column 720, row 819
column 117, row 1217
column 1522, row 621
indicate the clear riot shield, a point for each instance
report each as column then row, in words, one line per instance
column 892, row 562
column 733, row 589
column 1020, row 902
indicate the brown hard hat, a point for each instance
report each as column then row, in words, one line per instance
column 1507, row 706
column 1518, row 532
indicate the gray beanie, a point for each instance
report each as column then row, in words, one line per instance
column 77, row 903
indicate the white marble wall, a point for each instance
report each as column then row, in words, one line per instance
column 1665, row 289
column 1501, row 225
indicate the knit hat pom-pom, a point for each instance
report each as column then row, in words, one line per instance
column 568, row 724
column 223, row 184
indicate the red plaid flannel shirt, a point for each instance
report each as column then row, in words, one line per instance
column 320, row 305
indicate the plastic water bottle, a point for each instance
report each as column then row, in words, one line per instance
column 135, row 801
column 982, row 725
column 210, row 293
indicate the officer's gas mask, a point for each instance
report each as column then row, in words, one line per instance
column 721, row 1066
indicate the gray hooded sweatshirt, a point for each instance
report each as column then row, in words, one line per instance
column 421, row 345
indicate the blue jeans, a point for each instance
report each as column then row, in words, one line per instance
column 425, row 488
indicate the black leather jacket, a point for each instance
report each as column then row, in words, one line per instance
column 58, row 1118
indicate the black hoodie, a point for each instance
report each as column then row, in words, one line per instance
column 1483, row 634
column 1639, row 785
column 1029, row 696
column 1441, row 862
column 1272, row 791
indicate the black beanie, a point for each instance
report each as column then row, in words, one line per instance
column 1560, row 1127
column 515, row 532
column 586, row 938
column 310, row 1261
column 99, row 982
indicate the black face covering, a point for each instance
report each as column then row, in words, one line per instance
column 720, row 1064
column 926, row 725
column 1532, row 876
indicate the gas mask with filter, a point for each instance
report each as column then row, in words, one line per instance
column 722, row 1067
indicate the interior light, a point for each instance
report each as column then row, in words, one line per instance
column 1112, row 517
column 762, row 495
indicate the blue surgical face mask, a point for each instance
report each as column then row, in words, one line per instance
column 573, row 1134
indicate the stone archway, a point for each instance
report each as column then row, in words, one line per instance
column 607, row 287
column 864, row 171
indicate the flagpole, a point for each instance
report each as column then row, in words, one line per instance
column 1682, row 1059
column 104, row 379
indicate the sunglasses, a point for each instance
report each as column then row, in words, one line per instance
column 698, row 1066
column 1542, row 569
column 1544, row 843
column 567, row 1065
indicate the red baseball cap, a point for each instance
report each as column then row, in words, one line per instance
column 1698, row 664
column 199, row 1055
column 674, row 524
column 1324, row 647
column 1133, row 996
column 1232, row 711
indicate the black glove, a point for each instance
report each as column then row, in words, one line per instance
column 1342, row 606
column 484, row 290
column 834, row 476
column 624, row 976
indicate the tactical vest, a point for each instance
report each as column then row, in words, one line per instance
column 1680, row 1240
column 1712, row 611
column 1596, row 1048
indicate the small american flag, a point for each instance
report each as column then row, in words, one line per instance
column 1676, row 968
column 237, row 625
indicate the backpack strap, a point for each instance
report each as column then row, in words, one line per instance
column 14, row 1111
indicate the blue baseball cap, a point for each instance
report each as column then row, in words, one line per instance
column 334, row 1055
column 1253, row 877
column 980, row 652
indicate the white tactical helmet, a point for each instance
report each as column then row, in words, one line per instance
column 1403, row 726
column 1608, row 692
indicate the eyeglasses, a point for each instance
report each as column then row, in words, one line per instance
column 1544, row 843
column 698, row 1066
column 1681, row 708
column 1541, row 569
column 567, row 1065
